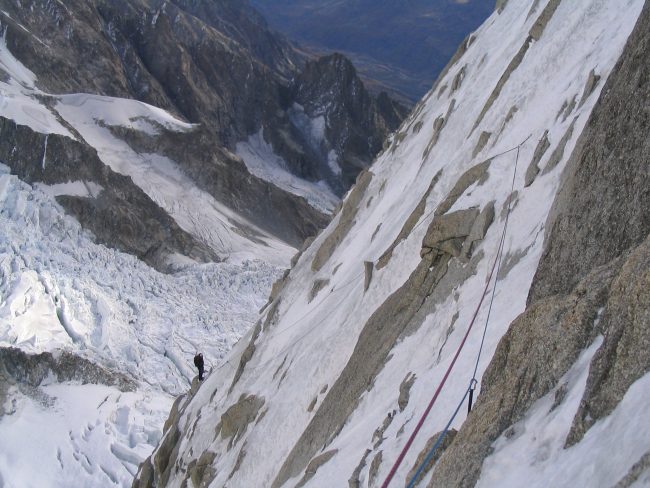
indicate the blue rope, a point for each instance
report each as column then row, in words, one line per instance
column 496, row 279
column 441, row 438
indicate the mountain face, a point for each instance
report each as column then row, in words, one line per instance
column 357, row 122
column 214, row 64
column 499, row 245
column 402, row 44
column 138, row 137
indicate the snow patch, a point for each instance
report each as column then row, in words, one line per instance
column 84, row 189
column 535, row 456
column 261, row 160
column 196, row 211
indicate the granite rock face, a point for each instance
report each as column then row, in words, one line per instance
column 602, row 208
column 345, row 223
column 32, row 369
column 357, row 122
column 592, row 280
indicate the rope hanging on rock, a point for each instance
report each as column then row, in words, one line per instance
column 470, row 389
column 474, row 382
column 441, row 438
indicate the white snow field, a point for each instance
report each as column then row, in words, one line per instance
column 303, row 353
column 82, row 436
column 195, row 211
column 262, row 161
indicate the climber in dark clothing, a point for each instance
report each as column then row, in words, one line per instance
column 198, row 362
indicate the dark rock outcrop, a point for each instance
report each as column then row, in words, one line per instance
column 33, row 369
column 538, row 349
column 602, row 207
column 447, row 233
column 356, row 124
column 157, row 468
column 345, row 223
column 446, row 442
column 410, row 223
column 476, row 174
column 533, row 167
column 236, row 419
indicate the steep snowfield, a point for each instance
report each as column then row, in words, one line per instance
column 304, row 349
column 59, row 290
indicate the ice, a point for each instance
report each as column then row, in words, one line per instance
column 78, row 436
column 60, row 290
column 84, row 189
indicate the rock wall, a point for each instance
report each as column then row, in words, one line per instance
column 593, row 279
column 33, row 369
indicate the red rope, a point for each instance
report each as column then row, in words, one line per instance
column 462, row 344
column 442, row 383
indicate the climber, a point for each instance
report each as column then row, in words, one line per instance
column 198, row 362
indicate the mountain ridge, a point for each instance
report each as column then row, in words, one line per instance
column 163, row 53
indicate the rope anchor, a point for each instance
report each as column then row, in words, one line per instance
column 472, row 386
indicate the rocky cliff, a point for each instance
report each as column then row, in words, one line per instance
column 377, row 313
column 592, row 281
column 218, row 66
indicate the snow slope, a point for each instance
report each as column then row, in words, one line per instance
column 79, row 435
column 307, row 343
